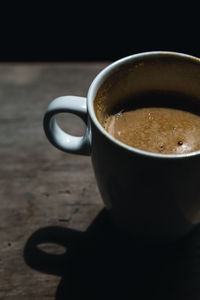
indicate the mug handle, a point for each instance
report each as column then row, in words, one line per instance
column 61, row 139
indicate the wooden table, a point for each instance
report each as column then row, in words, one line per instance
column 49, row 199
column 39, row 185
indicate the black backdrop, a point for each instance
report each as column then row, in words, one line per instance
column 80, row 32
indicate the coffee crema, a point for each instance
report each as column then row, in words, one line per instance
column 156, row 129
column 154, row 121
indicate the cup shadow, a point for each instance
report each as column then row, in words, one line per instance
column 103, row 263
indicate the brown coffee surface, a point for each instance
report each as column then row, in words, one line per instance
column 156, row 129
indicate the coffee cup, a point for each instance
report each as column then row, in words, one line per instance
column 148, row 195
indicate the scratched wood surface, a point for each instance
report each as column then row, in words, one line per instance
column 39, row 185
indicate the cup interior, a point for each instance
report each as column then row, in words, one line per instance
column 154, row 71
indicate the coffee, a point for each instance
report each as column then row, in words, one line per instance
column 157, row 122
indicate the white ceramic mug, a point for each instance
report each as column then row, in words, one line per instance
column 148, row 195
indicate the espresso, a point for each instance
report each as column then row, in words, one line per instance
column 160, row 128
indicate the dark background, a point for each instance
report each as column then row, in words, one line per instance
column 76, row 31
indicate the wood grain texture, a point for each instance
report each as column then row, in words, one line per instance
column 39, row 185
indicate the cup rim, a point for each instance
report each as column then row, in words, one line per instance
column 104, row 74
